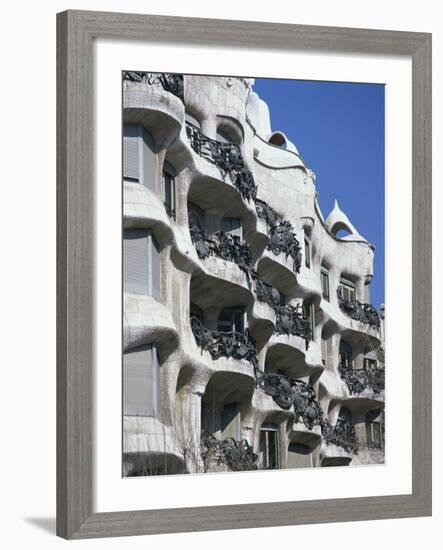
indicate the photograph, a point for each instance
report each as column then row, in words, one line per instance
column 253, row 274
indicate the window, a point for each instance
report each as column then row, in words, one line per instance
column 324, row 350
column 141, row 382
column 307, row 254
column 141, row 263
column 223, row 137
column 196, row 312
column 231, row 319
column 232, row 226
column 196, row 216
column 346, row 290
column 324, row 275
column 299, row 456
column 269, row 455
column 169, row 189
column 139, row 159
column 345, row 352
column 309, row 314
column 369, row 364
column 230, row 421
column 373, row 434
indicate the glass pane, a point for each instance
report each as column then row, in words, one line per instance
column 231, row 421
column 139, row 382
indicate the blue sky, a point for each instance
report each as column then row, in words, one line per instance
column 338, row 129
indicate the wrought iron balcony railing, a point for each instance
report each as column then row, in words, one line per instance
column 267, row 293
column 359, row 380
column 365, row 313
column 224, row 344
column 281, row 234
column 290, row 320
column 227, row 157
column 237, row 455
column 223, row 245
column 170, row 82
column 342, row 435
column 289, row 392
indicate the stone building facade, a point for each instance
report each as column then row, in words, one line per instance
column 248, row 338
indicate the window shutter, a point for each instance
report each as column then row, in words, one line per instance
column 131, row 159
column 149, row 160
column 135, row 261
column 155, row 268
column 299, row 456
column 140, row 382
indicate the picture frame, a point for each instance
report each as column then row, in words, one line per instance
column 76, row 32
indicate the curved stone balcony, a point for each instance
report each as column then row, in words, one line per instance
column 146, row 101
column 222, row 245
column 292, row 394
column 213, row 351
column 143, row 208
column 150, row 446
column 226, row 157
column 145, row 320
column 341, row 435
column 358, row 311
column 362, row 382
column 227, row 455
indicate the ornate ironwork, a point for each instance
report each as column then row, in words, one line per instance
column 170, row 82
column 224, row 344
column 342, row 435
column 237, row 455
column 290, row 320
column 365, row 313
column 227, row 157
column 267, row 293
column 223, row 245
column 281, row 234
column 359, row 380
column 265, row 212
column 289, row 392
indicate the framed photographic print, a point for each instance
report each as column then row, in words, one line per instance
column 229, row 193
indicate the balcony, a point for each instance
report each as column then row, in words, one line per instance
column 227, row 157
column 288, row 392
column 290, row 321
column 224, row 344
column 223, row 245
column 281, row 235
column 359, row 380
column 365, row 313
column 238, row 456
column 172, row 83
column 342, row 435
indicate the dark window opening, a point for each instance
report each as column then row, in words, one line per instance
column 269, row 456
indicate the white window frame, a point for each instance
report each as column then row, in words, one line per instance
column 169, row 173
column 349, row 288
column 324, row 276
column 266, row 429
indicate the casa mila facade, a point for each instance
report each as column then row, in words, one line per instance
column 249, row 341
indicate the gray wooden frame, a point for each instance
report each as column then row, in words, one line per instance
column 76, row 31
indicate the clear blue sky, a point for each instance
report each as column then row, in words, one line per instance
column 338, row 129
